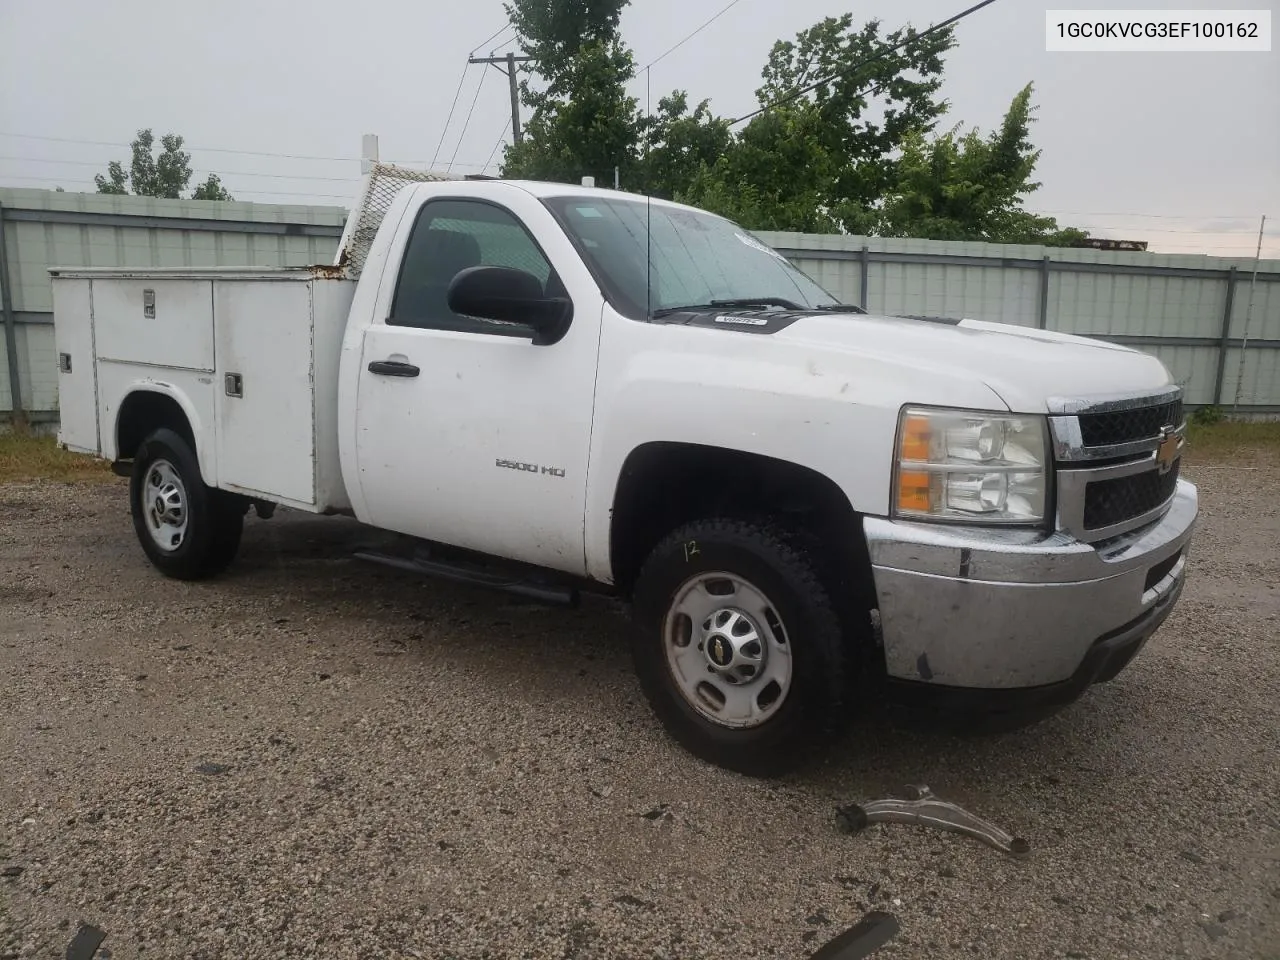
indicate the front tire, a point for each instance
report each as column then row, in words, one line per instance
column 739, row 649
column 188, row 531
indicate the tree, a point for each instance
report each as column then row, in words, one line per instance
column 963, row 186
column 211, row 189
column 680, row 144
column 775, row 175
column 819, row 159
column 843, row 141
column 583, row 122
column 555, row 31
column 162, row 175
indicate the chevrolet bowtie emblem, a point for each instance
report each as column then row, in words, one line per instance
column 718, row 652
column 1169, row 450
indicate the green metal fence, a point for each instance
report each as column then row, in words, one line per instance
column 1211, row 320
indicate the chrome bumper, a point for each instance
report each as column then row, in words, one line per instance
column 1001, row 609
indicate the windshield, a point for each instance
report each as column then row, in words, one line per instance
column 694, row 258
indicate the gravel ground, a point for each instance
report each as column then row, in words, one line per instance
column 312, row 757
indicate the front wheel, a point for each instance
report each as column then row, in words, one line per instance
column 187, row 530
column 738, row 648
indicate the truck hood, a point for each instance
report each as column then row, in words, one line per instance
column 1024, row 366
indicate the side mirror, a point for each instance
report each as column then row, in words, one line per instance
column 511, row 296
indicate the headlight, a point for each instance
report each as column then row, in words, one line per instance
column 970, row 465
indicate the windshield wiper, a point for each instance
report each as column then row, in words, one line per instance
column 758, row 302
column 841, row 308
column 737, row 302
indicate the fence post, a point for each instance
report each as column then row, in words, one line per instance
column 10, row 331
column 865, row 281
column 1043, row 320
column 1224, row 340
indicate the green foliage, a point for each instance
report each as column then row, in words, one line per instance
column 165, row 174
column 211, row 189
column 681, row 144
column 584, row 123
column 969, row 187
column 854, row 119
column 747, row 185
column 554, row 31
column 856, row 154
column 1207, row 416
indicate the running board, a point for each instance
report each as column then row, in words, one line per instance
column 544, row 593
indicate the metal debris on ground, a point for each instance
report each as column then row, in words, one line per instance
column 925, row 809
column 870, row 934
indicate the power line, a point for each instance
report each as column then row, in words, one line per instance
column 220, row 171
column 186, row 146
column 260, row 193
column 670, row 50
column 795, row 94
column 237, row 173
column 452, row 107
column 492, row 153
column 502, row 29
column 466, row 123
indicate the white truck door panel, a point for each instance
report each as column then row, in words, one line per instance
column 164, row 323
column 266, row 435
column 77, row 369
column 486, row 446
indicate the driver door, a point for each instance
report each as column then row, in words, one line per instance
column 467, row 433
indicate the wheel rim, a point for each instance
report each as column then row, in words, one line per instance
column 163, row 499
column 727, row 650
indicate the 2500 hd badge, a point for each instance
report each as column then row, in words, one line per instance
column 531, row 468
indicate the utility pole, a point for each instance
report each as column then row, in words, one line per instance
column 510, row 60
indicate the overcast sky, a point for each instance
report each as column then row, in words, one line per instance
column 1182, row 150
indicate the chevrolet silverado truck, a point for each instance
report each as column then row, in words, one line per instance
column 547, row 388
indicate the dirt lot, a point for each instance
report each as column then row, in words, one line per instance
column 312, row 757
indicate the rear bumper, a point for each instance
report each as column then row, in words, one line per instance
column 1015, row 616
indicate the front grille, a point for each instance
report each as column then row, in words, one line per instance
column 1125, row 426
column 1108, row 502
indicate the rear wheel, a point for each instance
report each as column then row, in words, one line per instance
column 187, row 530
column 739, row 647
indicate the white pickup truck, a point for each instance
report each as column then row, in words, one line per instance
column 548, row 388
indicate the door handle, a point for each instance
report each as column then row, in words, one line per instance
column 393, row 368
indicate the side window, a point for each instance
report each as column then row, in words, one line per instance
column 448, row 237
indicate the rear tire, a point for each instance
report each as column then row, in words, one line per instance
column 738, row 648
column 188, row 531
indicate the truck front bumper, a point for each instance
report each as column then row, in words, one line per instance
column 1016, row 617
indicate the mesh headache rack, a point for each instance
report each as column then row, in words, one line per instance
column 381, row 185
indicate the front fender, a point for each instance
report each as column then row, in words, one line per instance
column 832, row 413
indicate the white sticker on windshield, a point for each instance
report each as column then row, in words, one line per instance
column 755, row 244
column 589, row 213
